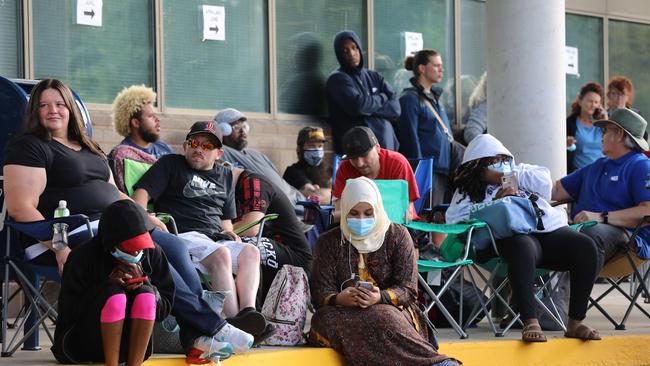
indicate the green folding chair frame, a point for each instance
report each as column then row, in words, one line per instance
column 395, row 199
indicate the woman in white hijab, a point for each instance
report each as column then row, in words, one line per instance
column 557, row 247
column 364, row 286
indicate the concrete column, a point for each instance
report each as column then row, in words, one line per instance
column 526, row 80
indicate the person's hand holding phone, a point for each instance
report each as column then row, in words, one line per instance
column 348, row 297
column 503, row 192
column 598, row 114
column 127, row 275
column 368, row 297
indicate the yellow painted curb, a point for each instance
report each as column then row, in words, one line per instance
column 618, row 350
column 611, row 351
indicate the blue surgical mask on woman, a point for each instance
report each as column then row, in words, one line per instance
column 313, row 157
column 361, row 227
column 125, row 257
column 501, row 167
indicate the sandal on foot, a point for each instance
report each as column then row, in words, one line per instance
column 532, row 333
column 584, row 332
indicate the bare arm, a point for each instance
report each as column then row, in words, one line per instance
column 141, row 197
column 228, row 230
column 559, row 193
column 250, row 217
column 628, row 217
column 23, row 187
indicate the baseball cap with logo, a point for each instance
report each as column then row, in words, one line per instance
column 309, row 134
column 208, row 127
column 358, row 141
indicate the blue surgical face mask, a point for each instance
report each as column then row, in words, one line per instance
column 125, row 257
column 313, row 157
column 501, row 167
column 361, row 227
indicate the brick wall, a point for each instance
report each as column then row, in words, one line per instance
column 274, row 137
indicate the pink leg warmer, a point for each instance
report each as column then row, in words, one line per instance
column 114, row 309
column 144, row 307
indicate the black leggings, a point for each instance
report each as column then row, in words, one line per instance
column 561, row 250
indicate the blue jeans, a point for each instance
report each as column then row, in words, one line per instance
column 193, row 314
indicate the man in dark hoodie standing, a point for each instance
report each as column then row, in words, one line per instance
column 357, row 96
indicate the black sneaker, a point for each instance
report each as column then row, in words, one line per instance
column 268, row 331
column 249, row 320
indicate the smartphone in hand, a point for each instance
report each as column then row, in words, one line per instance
column 598, row 114
column 365, row 284
column 510, row 181
column 131, row 281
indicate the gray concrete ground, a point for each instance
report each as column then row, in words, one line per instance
column 615, row 303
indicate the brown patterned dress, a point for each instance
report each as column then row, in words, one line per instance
column 383, row 334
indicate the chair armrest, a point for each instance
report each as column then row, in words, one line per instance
column 42, row 230
column 264, row 219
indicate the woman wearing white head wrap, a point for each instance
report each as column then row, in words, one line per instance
column 363, row 190
column 379, row 324
column 556, row 247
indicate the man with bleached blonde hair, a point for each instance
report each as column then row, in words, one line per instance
column 134, row 117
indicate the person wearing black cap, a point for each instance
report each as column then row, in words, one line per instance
column 309, row 175
column 364, row 157
column 200, row 196
column 357, row 96
column 113, row 288
column 613, row 190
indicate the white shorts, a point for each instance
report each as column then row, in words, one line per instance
column 201, row 246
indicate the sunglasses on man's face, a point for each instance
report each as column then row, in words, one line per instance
column 205, row 145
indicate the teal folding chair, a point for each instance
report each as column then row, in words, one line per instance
column 498, row 268
column 395, row 198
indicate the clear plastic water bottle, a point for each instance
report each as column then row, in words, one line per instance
column 62, row 210
column 60, row 229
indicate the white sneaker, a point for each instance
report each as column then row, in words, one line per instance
column 241, row 341
column 211, row 349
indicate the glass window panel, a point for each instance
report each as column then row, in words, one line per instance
column 305, row 52
column 585, row 33
column 216, row 74
column 435, row 20
column 95, row 61
column 473, row 49
column 10, row 45
column 628, row 55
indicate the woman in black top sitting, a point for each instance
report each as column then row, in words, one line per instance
column 55, row 160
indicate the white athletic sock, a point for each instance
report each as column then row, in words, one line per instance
column 240, row 340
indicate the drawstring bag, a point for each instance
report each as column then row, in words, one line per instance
column 507, row 216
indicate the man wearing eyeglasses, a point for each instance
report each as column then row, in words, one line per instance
column 235, row 129
column 200, row 196
column 612, row 190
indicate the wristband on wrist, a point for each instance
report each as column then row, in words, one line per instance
column 605, row 216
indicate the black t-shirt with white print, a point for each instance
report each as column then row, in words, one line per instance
column 197, row 199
